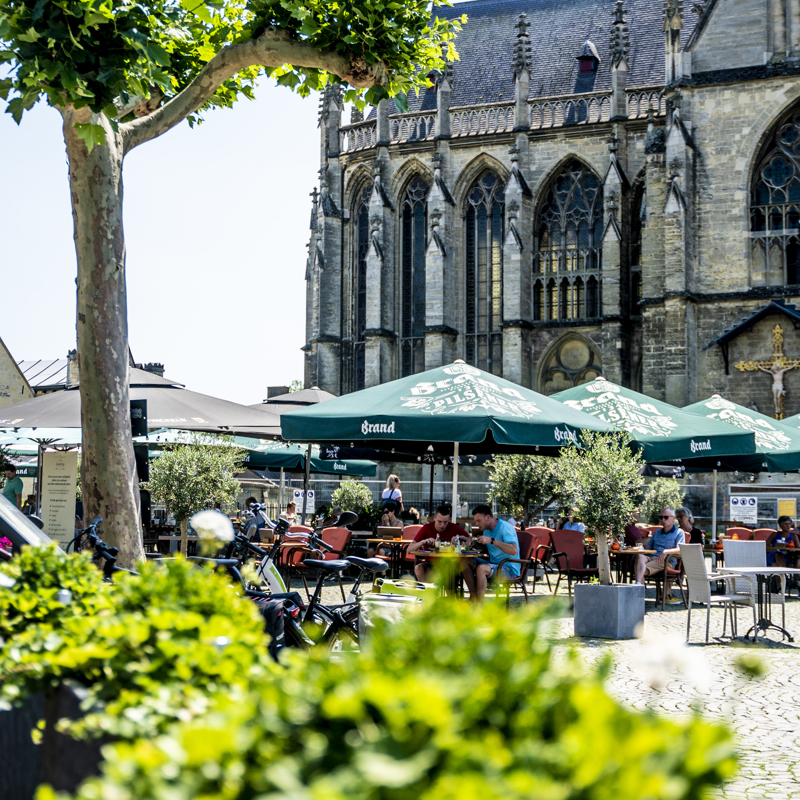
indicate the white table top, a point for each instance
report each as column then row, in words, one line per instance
column 760, row 570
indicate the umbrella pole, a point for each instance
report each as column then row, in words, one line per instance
column 39, row 463
column 305, row 485
column 280, row 494
column 455, row 483
column 714, row 518
column 430, row 499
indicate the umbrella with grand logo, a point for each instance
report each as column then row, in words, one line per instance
column 661, row 431
column 451, row 410
column 431, row 411
column 266, row 454
column 777, row 443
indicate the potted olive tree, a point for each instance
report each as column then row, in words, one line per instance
column 355, row 496
column 528, row 484
column 194, row 476
column 606, row 478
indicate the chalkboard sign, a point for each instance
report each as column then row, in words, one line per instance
column 139, row 417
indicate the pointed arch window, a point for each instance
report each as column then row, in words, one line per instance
column 484, row 273
column 357, row 371
column 568, row 234
column 775, row 207
column 413, row 223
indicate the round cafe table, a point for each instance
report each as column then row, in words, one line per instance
column 395, row 551
column 628, row 551
column 457, row 583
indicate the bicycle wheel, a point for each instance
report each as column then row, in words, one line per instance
column 342, row 635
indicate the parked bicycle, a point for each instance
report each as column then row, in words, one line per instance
column 89, row 538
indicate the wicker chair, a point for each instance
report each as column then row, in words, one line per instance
column 699, row 583
column 753, row 554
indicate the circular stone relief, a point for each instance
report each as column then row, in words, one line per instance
column 574, row 354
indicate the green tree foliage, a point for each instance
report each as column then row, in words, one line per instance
column 352, row 496
column 126, row 60
column 122, row 73
column 454, row 703
column 660, row 493
column 149, row 649
column 194, row 476
column 606, row 478
column 296, row 386
column 527, row 484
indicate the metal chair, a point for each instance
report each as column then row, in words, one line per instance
column 569, row 556
column 541, row 553
column 753, row 554
column 699, row 581
column 527, row 542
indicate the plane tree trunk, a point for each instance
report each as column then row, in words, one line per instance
column 110, row 485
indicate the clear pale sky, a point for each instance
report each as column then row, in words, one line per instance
column 216, row 223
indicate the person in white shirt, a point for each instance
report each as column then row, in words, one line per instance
column 392, row 492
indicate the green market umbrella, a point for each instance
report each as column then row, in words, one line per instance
column 451, row 410
column 777, row 443
column 661, row 431
column 432, row 410
column 269, row 455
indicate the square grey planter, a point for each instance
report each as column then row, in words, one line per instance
column 608, row 612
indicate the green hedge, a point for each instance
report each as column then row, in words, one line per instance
column 454, row 703
column 149, row 648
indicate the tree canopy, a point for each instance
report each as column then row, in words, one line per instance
column 128, row 60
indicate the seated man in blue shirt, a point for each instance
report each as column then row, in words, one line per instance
column 665, row 541
column 501, row 541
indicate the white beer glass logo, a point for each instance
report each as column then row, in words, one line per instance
column 599, row 385
column 717, row 403
column 468, row 391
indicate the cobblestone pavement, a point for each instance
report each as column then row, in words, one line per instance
column 660, row 672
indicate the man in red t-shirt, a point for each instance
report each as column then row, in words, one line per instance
column 426, row 540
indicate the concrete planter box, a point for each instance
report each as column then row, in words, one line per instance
column 59, row 760
column 608, row 612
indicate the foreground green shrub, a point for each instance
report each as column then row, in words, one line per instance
column 159, row 649
column 455, row 703
column 39, row 574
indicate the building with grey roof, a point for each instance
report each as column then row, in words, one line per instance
column 595, row 187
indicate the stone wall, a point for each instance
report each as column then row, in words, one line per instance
column 13, row 386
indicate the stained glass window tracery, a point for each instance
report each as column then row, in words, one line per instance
column 413, row 221
column 568, row 240
column 485, row 214
column 775, row 208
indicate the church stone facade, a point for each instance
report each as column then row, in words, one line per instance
column 595, row 187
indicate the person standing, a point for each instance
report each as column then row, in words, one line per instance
column 392, row 493
column 501, row 541
column 12, row 491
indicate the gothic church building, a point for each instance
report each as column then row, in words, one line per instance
column 596, row 187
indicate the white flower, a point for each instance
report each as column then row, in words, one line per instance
column 663, row 657
column 211, row 525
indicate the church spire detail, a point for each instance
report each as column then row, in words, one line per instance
column 522, row 48
column 620, row 39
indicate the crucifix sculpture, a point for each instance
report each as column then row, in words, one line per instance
column 776, row 366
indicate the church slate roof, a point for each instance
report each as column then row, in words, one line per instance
column 557, row 33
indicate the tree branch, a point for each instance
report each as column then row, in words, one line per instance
column 272, row 49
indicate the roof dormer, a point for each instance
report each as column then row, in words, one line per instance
column 588, row 57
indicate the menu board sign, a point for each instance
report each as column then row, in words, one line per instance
column 59, row 475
